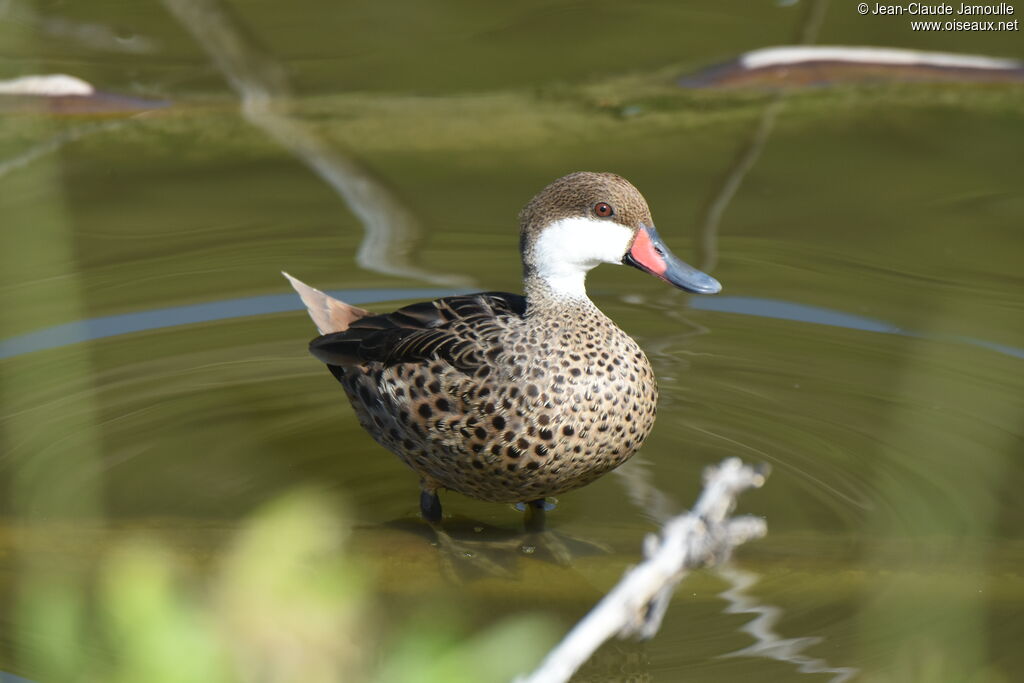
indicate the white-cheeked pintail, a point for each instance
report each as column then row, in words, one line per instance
column 511, row 398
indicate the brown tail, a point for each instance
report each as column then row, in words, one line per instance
column 328, row 314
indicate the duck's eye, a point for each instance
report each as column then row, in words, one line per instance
column 603, row 209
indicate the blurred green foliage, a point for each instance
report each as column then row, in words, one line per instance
column 285, row 603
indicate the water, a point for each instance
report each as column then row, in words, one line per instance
column 867, row 345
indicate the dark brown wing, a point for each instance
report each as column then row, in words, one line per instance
column 449, row 329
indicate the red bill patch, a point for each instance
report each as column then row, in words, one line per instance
column 643, row 253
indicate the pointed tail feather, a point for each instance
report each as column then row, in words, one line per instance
column 328, row 314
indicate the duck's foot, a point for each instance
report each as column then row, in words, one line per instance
column 540, row 504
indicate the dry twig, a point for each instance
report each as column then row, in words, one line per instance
column 635, row 606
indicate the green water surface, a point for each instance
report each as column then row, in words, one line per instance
column 894, row 507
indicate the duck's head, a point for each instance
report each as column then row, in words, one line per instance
column 584, row 219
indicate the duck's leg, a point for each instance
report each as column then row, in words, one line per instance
column 430, row 505
column 536, row 515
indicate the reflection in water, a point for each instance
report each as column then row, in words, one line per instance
column 113, row 325
column 707, row 243
column 748, row 154
column 787, row 310
column 392, row 230
column 638, row 482
column 659, row 507
column 44, row 479
column 803, row 65
column 769, row 644
column 636, row 477
column 470, row 549
column 91, row 35
column 52, row 144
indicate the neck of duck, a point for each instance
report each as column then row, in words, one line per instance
column 555, row 294
column 558, row 256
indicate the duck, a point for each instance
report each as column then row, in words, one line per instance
column 512, row 398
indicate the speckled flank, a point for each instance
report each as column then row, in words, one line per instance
column 498, row 396
column 557, row 402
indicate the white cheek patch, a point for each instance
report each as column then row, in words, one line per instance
column 568, row 248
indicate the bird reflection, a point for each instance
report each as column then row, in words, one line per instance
column 469, row 549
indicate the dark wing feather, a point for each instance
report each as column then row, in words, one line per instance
column 420, row 332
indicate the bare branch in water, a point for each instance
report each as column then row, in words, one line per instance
column 635, row 606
